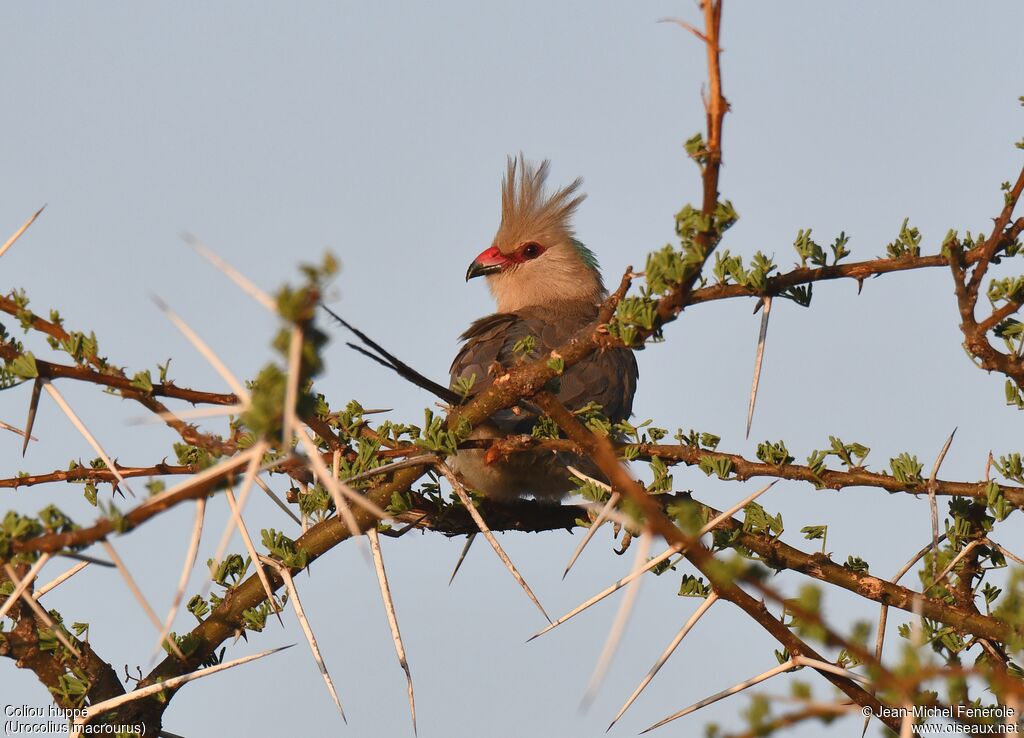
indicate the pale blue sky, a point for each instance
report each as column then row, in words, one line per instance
column 380, row 131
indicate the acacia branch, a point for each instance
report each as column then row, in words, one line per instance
column 87, row 474
column 743, row 469
column 600, row 450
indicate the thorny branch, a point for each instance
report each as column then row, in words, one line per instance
column 528, row 381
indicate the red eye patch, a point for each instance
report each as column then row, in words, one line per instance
column 526, row 252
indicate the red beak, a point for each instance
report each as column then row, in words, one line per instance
column 490, row 261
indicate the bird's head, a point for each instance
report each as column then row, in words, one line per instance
column 534, row 258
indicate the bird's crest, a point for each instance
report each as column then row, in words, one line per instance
column 527, row 213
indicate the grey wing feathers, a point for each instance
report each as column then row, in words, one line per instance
column 606, row 377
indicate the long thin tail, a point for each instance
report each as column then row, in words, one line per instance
column 392, row 362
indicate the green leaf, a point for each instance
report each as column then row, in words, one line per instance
column 24, row 366
column 143, row 380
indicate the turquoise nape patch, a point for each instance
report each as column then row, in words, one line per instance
column 587, row 255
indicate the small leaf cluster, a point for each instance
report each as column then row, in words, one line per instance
column 907, row 469
column 907, row 243
column 729, row 267
column 283, row 547
column 436, row 436
column 774, row 453
column 810, row 251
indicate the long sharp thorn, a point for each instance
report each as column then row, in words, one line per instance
column 704, row 606
column 24, row 227
column 307, row 629
column 277, row 500
column 229, row 465
column 883, row 614
column 21, row 586
column 463, row 496
column 17, row 431
column 53, row 584
column 40, row 611
column 80, row 427
column 199, row 412
column 231, row 273
column 932, row 502
column 767, row 301
column 172, row 683
column 130, row 581
column 1004, row 551
column 713, row 523
column 611, row 644
column 613, row 500
column 825, row 666
column 229, row 527
column 186, row 570
column 663, row 556
column 602, row 516
column 781, row 668
column 389, row 607
column 673, row 550
column 33, row 405
column 462, row 557
column 236, row 513
column 336, row 487
column 204, row 349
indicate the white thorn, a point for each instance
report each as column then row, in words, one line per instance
column 172, row 683
column 54, row 583
column 611, row 644
column 80, row 427
column 231, row 273
column 704, row 606
column 20, row 587
column 780, row 669
column 130, row 581
column 389, row 607
column 463, row 496
column 767, row 302
column 204, row 349
column 293, row 595
column 186, row 570
column 17, row 234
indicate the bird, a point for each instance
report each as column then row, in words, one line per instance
column 546, row 284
